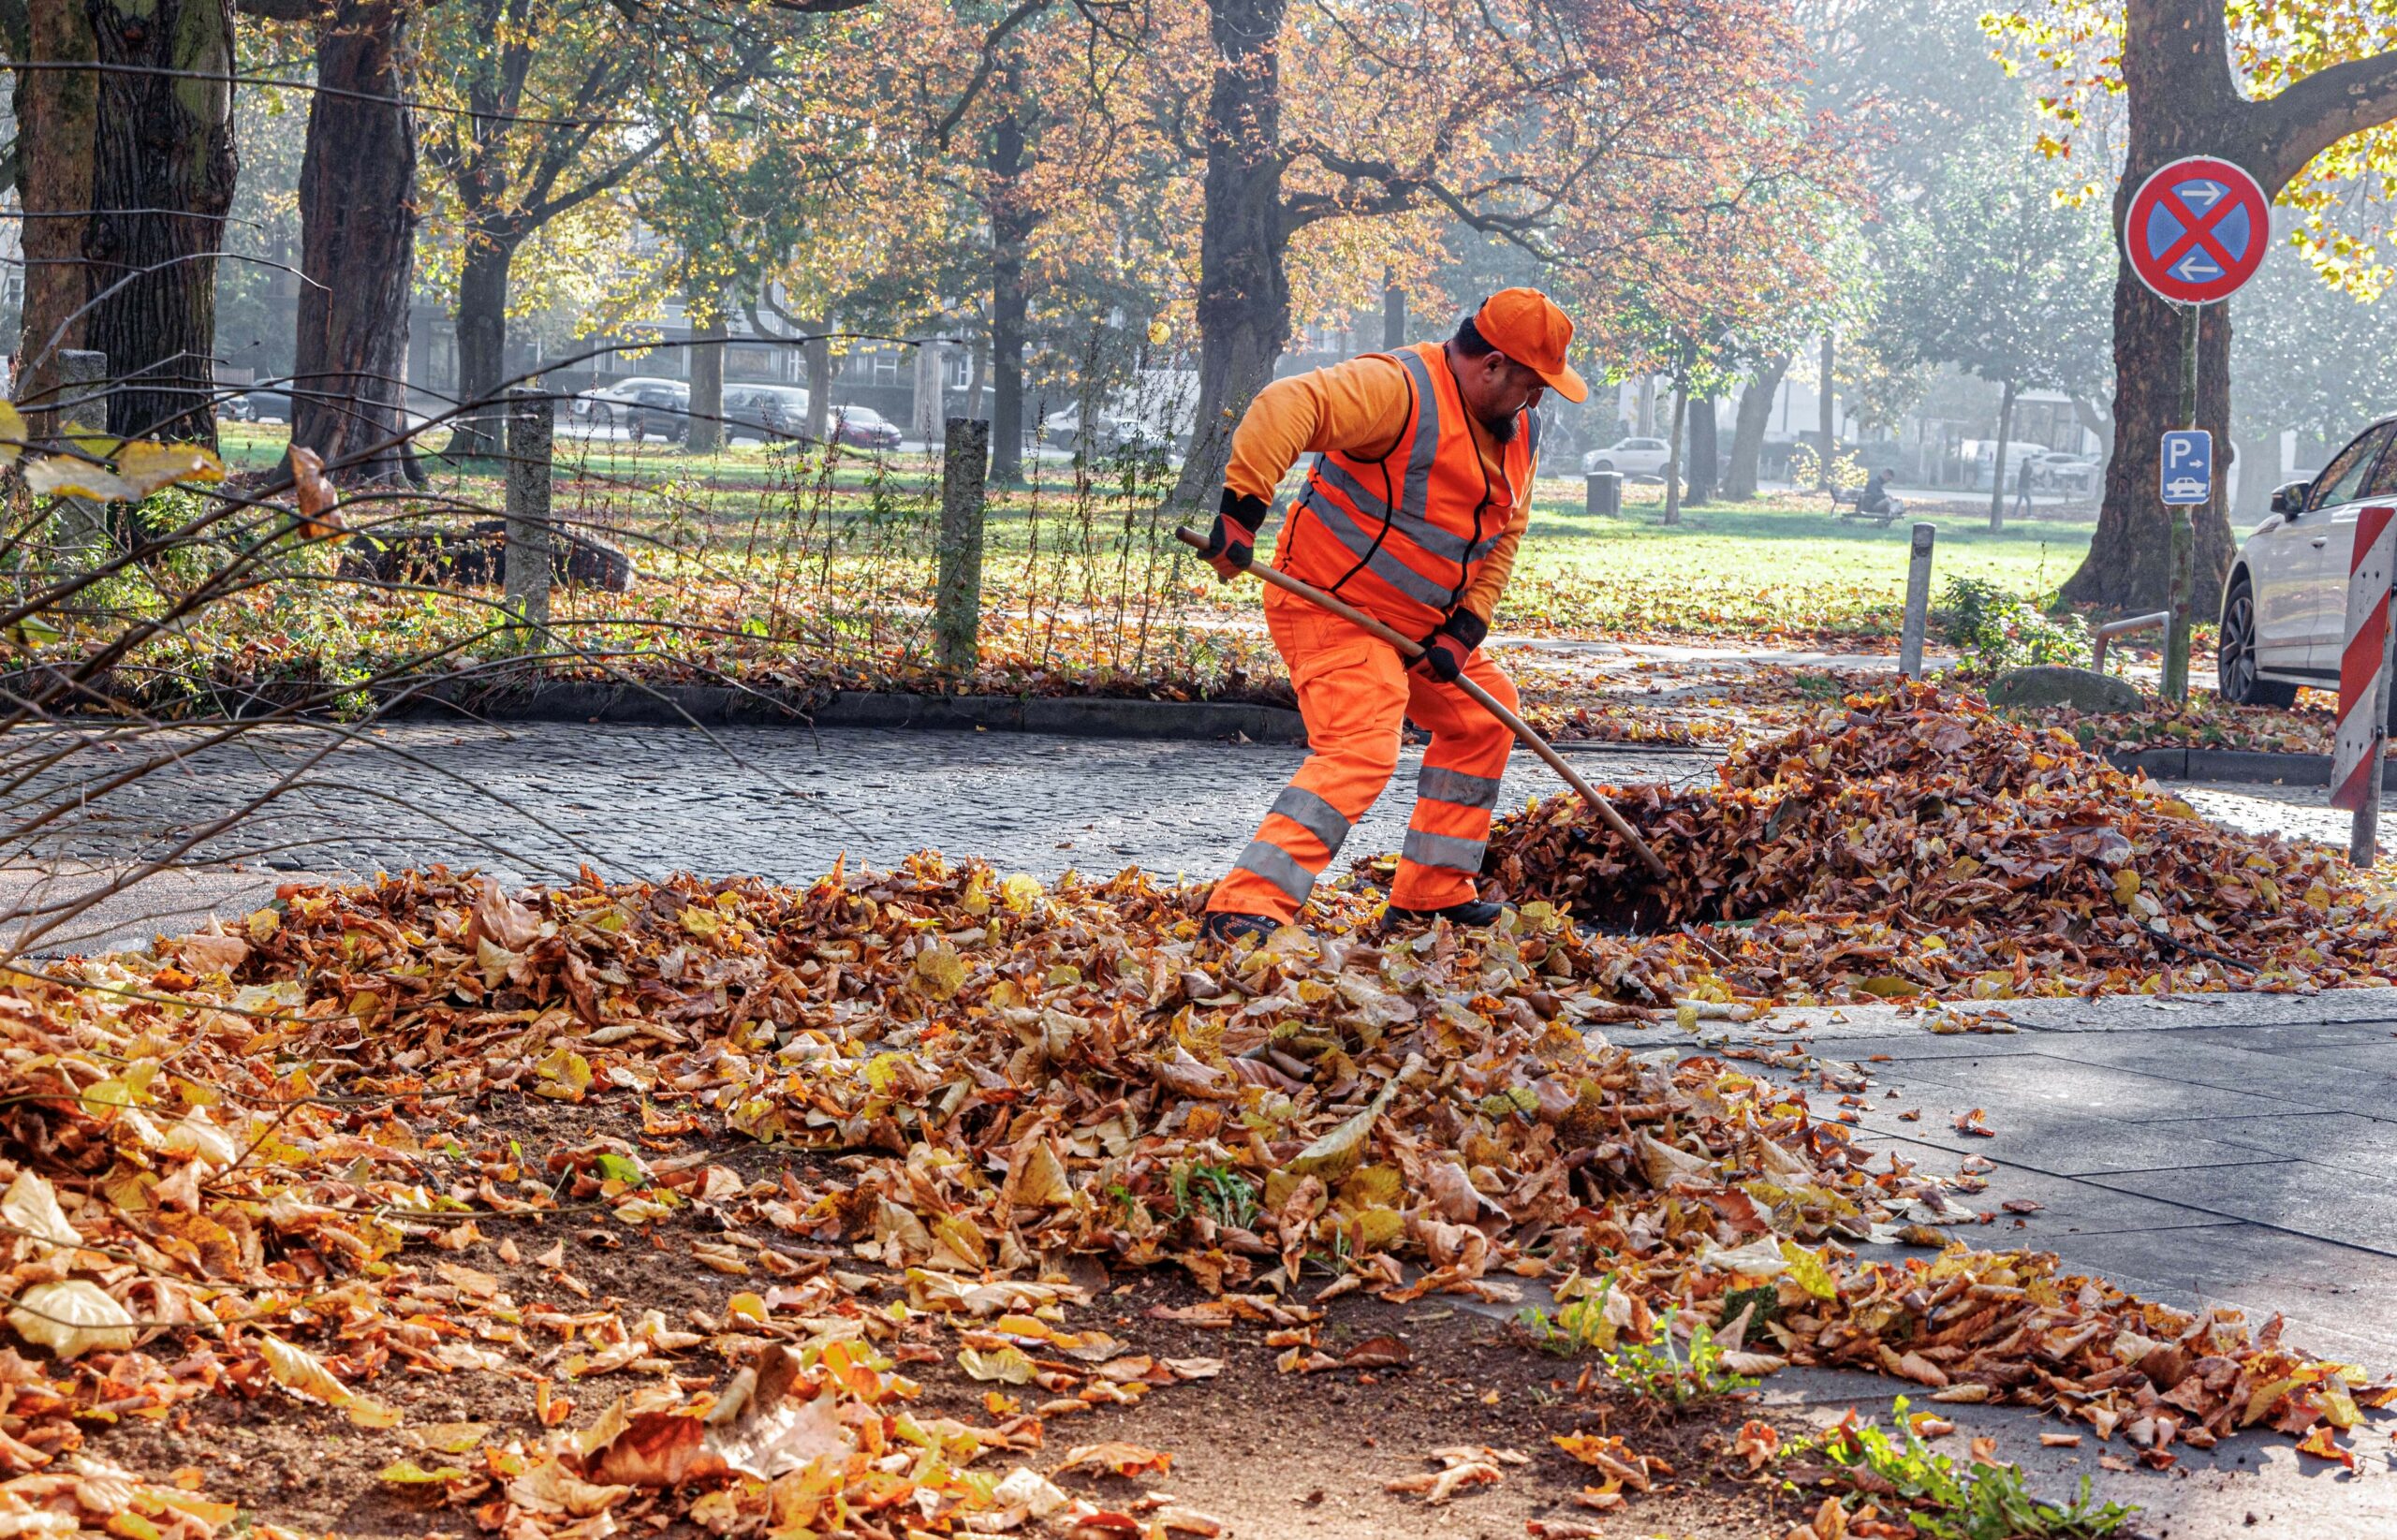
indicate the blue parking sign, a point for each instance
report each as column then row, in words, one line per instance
column 2186, row 467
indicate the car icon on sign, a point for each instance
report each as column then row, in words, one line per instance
column 2187, row 487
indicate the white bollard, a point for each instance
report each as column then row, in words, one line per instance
column 1918, row 602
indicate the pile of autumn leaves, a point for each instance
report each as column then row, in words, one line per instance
column 208, row 1148
column 1913, row 843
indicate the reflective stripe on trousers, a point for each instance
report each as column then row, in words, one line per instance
column 1356, row 692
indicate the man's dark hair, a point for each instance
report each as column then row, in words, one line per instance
column 1470, row 341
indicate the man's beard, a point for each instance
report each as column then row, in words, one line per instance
column 1503, row 431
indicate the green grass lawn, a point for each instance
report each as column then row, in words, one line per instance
column 760, row 561
column 1779, row 565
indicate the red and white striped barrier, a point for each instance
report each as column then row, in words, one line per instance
column 2354, row 762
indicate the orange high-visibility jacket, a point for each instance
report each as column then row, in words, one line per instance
column 1402, row 537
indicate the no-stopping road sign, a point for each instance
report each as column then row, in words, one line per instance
column 2197, row 229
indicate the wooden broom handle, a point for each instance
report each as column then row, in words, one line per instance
column 1409, row 649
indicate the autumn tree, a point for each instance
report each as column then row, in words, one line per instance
column 357, row 222
column 1728, row 265
column 549, row 103
column 2311, row 359
column 1518, row 118
column 2305, row 102
column 1988, row 271
column 124, row 176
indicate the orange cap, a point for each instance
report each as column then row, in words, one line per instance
column 1526, row 325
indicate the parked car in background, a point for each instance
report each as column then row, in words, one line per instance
column 2285, row 608
column 258, row 406
column 764, row 413
column 2060, row 471
column 1109, row 433
column 603, row 407
column 864, row 428
column 1629, row 457
column 663, row 410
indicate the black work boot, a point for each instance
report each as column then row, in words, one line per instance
column 1472, row 914
column 1232, row 928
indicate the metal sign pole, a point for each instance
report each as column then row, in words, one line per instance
column 2182, row 547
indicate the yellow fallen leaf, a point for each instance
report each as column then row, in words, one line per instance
column 31, row 1205
column 71, row 1318
column 304, row 1374
column 1007, row 1365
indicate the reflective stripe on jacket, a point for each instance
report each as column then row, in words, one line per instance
column 1401, row 536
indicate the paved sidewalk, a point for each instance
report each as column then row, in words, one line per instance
column 2198, row 1149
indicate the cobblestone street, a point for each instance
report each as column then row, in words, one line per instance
column 537, row 800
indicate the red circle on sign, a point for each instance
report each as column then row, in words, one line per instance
column 2197, row 229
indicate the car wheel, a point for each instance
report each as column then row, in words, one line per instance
column 2235, row 657
column 1601, row 465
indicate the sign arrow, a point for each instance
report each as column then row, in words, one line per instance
column 2197, row 268
column 2203, row 194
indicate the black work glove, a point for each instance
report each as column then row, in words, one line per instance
column 1450, row 643
column 1231, row 545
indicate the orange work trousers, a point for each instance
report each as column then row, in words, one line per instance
column 1356, row 692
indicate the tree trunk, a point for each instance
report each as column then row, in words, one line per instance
column 2087, row 414
column 1647, row 403
column 1243, row 289
column 1705, row 454
column 162, row 179
column 1997, row 458
column 1673, row 450
column 483, row 343
column 925, row 399
column 357, row 241
column 1825, row 411
column 2126, row 567
column 57, row 113
column 1393, row 317
column 706, row 424
column 819, row 381
column 1011, row 227
column 1748, row 431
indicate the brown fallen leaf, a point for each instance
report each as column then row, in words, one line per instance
column 2060, row 1441
column 1125, row 1459
column 1439, row 1487
column 1610, row 1457
column 1377, row 1353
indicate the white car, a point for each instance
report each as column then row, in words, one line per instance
column 607, row 400
column 2064, row 472
column 2285, row 608
column 2185, row 489
column 1631, row 456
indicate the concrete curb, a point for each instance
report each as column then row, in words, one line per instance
column 1083, row 716
column 2288, row 770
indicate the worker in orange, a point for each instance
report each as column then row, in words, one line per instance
column 1412, row 513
